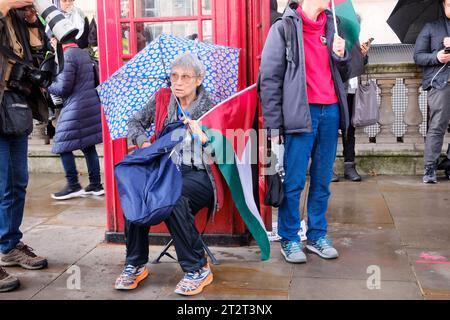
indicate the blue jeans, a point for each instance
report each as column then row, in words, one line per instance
column 13, row 185
column 92, row 162
column 319, row 146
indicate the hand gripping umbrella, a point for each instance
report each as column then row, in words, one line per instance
column 130, row 88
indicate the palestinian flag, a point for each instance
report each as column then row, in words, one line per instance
column 350, row 25
column 229, row 128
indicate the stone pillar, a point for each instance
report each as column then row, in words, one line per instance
column 39, row 134
column 413, row 116
column 387, row 116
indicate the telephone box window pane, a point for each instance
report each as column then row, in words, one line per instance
column 149, row 31
column 165, row 8
column 124, row 8
column 207, row 31
column 206, row 7
column 125, row 38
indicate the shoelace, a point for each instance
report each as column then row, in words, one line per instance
column 429, row 171
column 324, row 243
column 128, row 274
column 293, row 247
column 190, row 280
column 28, row 251
column 3, row 273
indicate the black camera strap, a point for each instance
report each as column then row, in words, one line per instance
column 21, row 33
column 7, row 52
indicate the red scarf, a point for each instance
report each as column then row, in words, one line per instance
column 69, row 45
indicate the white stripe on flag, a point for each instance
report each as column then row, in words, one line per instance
column 245, row 175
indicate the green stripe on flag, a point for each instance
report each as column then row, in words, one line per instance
column 225, row 154
column 349, row 23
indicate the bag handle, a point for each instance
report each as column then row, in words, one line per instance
column 369, row 78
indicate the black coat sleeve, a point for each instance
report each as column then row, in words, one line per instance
column 424, row 55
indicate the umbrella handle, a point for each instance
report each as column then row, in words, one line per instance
column 195, row 136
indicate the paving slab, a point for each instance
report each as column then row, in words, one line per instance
column 432, row 269
column 360, row 247
column 345, row 289
column 63, row 245
column 98, row 272
column 80, row 216
column 386, row 222
column 358, row 203
column 424, row 232
column 31, row 282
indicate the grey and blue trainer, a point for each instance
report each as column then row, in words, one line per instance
column 293, row 251
column 429, row 175
column 323, row 247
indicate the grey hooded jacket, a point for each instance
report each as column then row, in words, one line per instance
column 283, row 84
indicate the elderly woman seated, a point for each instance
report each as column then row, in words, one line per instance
column 198, row 189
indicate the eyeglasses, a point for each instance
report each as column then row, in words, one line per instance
column 185, row 78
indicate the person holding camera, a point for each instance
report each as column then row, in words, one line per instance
column 432, row 51
column 79, row 124
column 19, row 80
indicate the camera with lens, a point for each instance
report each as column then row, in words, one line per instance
column 24, row 77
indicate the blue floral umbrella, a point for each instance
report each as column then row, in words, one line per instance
column 130, row 88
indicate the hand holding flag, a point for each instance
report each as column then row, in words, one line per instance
column 338, row 45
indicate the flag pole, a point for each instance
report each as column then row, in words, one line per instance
column 333, row 8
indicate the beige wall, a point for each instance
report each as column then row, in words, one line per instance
column 374, row 14
column 89, row 7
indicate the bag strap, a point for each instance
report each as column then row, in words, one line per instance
column 287, row 38
column 287, row 30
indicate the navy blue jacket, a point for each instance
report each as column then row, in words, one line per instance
column 428, row 44
column 79, row 124
column 283, row 84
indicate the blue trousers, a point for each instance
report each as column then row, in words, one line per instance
column 319, row 146
column 13, row 185
column 92, row 162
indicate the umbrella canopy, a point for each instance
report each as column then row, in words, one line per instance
column 409, row 17
column 349, row 22
column 130, row 88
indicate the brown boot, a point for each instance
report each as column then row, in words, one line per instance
column 7, row 282
column 22, row 255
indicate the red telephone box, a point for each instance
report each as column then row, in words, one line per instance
column 125, row 27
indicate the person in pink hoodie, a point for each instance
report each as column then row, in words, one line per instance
column 305, row 103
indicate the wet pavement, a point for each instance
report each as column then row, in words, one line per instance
column 392, row 233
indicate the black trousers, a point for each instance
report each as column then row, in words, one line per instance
column 349, row 142
column 197, row 193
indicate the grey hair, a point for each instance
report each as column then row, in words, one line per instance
column 190, row 61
